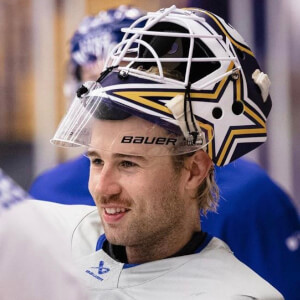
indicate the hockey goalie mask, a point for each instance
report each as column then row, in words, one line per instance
column 183, row 82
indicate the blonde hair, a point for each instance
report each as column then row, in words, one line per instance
column 208, row 191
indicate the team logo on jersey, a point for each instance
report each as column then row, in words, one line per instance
column 100, row 270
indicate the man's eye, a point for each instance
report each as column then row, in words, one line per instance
column 96, row 161
column 128, row 164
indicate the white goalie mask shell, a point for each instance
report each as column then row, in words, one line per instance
column 189, row 72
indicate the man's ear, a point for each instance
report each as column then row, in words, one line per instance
column 198, row 167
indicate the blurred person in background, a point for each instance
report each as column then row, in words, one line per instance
column 34, row 259
column 255, row 217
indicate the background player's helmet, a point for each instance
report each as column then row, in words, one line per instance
column 187, row 71
column 94, row 39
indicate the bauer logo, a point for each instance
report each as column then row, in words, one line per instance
column 128, row 139
column 99, row 270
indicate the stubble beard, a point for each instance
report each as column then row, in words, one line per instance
column 149, row 228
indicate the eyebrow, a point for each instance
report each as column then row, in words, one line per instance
column 93, row 153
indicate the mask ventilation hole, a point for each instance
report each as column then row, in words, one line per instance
column 241, row 54
column 238, row 108
column 217, row 112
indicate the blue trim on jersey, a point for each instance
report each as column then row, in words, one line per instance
column 100, row 242
column 99, row 246
column 102, row 239
column 128, row 266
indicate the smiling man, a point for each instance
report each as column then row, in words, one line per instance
column 191, row 96
column 145, row 202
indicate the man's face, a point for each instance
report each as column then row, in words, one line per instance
column 139, row 198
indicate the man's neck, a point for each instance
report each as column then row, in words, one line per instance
column 161, row 250
column 119, row 252
column 167, row 241
column 146, row 253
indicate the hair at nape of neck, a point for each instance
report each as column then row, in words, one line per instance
column 208, row 191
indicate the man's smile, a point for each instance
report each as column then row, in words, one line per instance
column 113, row 213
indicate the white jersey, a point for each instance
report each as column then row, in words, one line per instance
column 212, row 273
column 34, row 258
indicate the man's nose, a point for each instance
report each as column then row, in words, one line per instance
column 108, row 182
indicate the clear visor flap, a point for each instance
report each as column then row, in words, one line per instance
column 97, row 121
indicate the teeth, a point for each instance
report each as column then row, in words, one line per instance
column 112, row 211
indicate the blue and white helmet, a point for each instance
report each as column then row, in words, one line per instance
column 93, row 40
column 97, row 35
column 186, row 71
